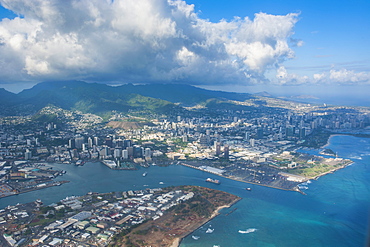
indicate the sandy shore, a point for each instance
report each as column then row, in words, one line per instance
column 176, row 242
column 328, row 142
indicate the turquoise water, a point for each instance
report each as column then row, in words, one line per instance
column 334, row 212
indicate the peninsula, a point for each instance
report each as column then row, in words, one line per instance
column 151, row 217
column 180, row 220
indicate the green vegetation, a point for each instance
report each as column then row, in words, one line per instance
column 46, row 118
column 314, row 170
column 179, row 143
column 41, row 222
column 317, row 139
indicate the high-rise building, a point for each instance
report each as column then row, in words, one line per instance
column 27, row 155
column 117, row 153
column 148, row 153
column 96, row 141
column 138, row 152
column 259, row 133
column 79, row 141
column 71, row 143
column 74, row 153
column 127, row 143
column 89, row 142
column 124, row 154
column 130, row 151
column 218, row 148
column 109, row 141
column 251, row 142
column 302, row 133
column 226, row 152
column 119, row 143
column 247, row 136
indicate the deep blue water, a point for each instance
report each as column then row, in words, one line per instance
column 335, row 211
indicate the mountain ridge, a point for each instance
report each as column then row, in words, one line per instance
column 100, row 98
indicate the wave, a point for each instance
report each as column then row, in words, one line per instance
column 302, row 187
column 249, row 230
column 355, row 157
column 209, row 230
column 195, row 237
column 306, row 183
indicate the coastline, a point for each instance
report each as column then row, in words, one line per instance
column 328, row 142
column 332, row 171
column 55, row 183
column 177, row 241
column 247, row 182
column 335, row 169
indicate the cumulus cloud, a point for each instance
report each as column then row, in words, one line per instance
column 139, row 41
column 285, row 78
column 333, row 76
column 343, row 76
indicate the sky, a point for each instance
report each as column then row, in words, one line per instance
column 300, row 46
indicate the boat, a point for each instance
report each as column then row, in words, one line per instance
column 144, row 174
column 195, row 237
column 215, row 181
column 161, row 183
column 209, row 230
column 249, row 189
column 249, row 230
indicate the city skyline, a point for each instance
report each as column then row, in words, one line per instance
column 244, row 46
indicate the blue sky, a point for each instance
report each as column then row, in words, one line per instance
column 322, row 44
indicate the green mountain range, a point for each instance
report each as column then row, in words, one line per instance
column 101, row 98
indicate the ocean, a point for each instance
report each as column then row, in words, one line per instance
column 335, row 211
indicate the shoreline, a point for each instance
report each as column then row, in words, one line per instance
column 296, row 189
column 177, row 241
column 328, row 142
column 344, row 134
column 55, row 183
column 332, row 171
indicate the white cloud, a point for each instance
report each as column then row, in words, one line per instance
column 284, row 78
column 342, row 76
column 348, row 76
column 138, row 41
column 330, row 77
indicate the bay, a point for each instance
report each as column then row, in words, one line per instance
column 335, row 211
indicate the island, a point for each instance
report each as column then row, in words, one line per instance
column 150, row 217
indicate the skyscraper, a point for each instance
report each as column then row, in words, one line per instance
column 226, row 152
column 89, row 142
column 79, row 140
column 96, row 141
column 259, row 133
